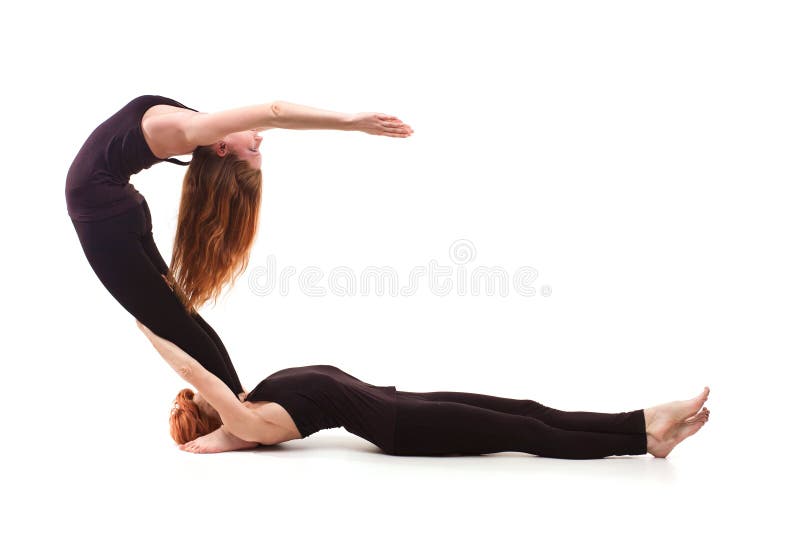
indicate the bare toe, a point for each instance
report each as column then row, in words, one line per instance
column 702, row 414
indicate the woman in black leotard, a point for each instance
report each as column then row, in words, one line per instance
column 297, row 402
column 217, row 217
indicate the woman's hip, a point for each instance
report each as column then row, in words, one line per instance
column 126, row 227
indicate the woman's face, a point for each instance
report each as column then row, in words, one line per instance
column 244, row 144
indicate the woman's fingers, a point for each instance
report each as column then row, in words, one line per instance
column 396, row 129
column 375, row 123
column 393, row 122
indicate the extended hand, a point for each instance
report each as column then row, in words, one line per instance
column 381, row 124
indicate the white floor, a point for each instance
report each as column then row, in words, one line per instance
column 717, row 481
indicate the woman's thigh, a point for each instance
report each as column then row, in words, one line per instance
column 116, row 252
column 150, row 248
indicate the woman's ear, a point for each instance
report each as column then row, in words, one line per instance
column 221, row 148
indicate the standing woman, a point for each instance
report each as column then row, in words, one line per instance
column 218, row 213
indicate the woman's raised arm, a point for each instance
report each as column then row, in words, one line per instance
column 238, row 420
column 297, row 117
column 200, row 129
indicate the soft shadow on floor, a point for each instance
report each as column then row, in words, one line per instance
column 358, row 450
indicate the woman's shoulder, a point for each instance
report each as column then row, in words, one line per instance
column 278, row 425
column 163, row 123
column 154, row 100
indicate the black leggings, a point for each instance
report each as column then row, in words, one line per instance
column 124, row 257
column 446, row 422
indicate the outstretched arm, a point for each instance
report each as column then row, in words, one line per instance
column 182, row 132
column 236, row 418
column 298, row 117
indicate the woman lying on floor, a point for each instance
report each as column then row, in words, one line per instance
column 297, row 402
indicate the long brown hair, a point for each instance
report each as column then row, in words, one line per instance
column 217, row 222
column 187, row 421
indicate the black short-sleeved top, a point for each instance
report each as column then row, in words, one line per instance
column 98, row 181
column 324, row 396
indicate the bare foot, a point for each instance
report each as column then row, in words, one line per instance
column 660, row 448
column 660, row 419
column 217, row 441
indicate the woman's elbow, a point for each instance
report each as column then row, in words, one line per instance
column 276, row 115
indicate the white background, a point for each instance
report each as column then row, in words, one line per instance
column 642, row 156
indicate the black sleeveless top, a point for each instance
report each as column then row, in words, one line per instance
column 324, row 396
column 98, row 182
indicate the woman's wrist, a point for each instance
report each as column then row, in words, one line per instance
column 350, row 122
